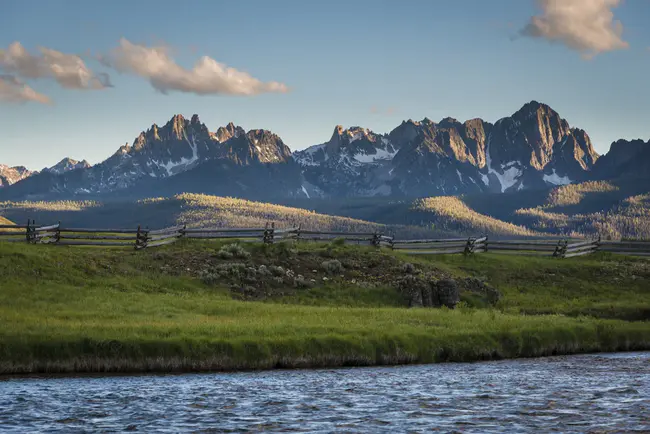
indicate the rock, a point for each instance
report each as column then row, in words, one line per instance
column 427, row 295
column 412, row 288
column 447, row 293
column 332, row 267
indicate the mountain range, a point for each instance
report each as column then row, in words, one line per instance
column 535, row 148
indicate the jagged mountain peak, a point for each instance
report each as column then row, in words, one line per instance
column 11, row 175
column 449, row 122
column 67, row 164
column 535, row 111
column 228, row 132
column 533, row 148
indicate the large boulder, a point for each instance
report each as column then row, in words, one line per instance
column 412, row 288
column 447, row 293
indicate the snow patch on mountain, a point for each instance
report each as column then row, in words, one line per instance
column 174, row 167
column 510, row 172
column 556, row 179
column 381, row 154
column 306, row 156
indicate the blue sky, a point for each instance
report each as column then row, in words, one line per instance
column 357, row 62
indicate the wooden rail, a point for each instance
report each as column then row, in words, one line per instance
column 142, row 238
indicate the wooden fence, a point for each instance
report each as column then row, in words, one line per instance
column 141, row 238
column 441, row 246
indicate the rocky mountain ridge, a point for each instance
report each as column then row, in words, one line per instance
column 535, row 148
column 66, row 165
column 11, row 175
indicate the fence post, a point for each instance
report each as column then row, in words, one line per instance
column 486, row 243
column 138, row 239
column 376, row 239
column 469, row 247
column 298, row 232
column 57, row 236
column 272, row 233
column 560, row 249
column 27, row 234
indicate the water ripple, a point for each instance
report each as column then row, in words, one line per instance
column 592, row 393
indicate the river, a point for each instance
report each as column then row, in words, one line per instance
column 587, row 393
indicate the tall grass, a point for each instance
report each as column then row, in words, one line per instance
column 97, row 310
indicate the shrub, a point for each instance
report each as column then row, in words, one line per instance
column 301, row 282
column 209, row 278
column 264, row 271
column 332, row 267
column 409, row 268
column 230, row 251
column 277, row 271
column 338, row 242
column 231, row 270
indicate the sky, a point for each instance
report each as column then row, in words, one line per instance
column 79, row 79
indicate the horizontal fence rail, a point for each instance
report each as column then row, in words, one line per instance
column 142, row 238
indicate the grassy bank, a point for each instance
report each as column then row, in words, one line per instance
column 100, row 310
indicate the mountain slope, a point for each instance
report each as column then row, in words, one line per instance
column 11, row 175
column 179, row 147
column 66, row 165
column 625, row 159
column 534, row 148
column 531, row 150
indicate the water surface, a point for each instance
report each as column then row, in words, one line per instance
column 590, row 393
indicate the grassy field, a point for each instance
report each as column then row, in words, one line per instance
column 602, row 285
column 76, row 310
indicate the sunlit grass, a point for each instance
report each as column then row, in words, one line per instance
column 97, row 310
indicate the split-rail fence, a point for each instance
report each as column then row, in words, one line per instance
column 142, row 238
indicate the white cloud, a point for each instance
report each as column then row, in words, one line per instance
column 587, row 26
column 68, row 70
column 13, row 90
column 207, row 77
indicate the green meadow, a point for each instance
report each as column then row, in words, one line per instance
column 79, row 310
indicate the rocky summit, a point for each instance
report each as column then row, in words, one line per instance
column 534, row 148
column 11, row 175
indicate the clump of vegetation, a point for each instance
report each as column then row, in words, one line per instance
column 230, row 251
column 338, row 241
column 277, row 271
column 301, row 282
column 332, row 267
column 409, row 268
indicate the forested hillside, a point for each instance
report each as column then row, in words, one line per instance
column 611, row 209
